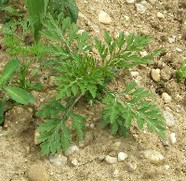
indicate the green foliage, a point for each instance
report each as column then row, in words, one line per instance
column 17, row 94
column 181, row 73
column 132, row 104
column 56, row 132
column 68, row 7
column 79, row 73
column 18, row 48
column 38, row 10
column 1, row 112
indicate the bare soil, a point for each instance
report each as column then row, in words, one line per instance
column 18, row 151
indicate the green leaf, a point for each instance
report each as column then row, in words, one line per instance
column 9, row 69
column 37, row 11
column 73, row 10
column 181, row 73
column 1, row 111
column 78, row 125
column 19, row 95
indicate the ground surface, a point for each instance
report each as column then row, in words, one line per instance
column 18, row 152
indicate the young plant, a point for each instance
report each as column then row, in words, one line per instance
column 181, row 73
column 8, row 90
column 80, row 74
column 16, row 38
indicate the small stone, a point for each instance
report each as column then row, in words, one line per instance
column 131, row 166
column 131, row 1
column 140, row 7
column 104, row 18
column 165, row 143
column 173, row 138
column 122, row 156
column 100, row 158
column 167, row 167
column 179, row 50
column 160, row 15
column 71, row 150
column 110, row 159
column 75, row 162
column 80, row 32
column 134, row 73
column 166, row 73
column 155, row 74
column 172, row 39
column 166, row 97
column 169, row 119
column 143, row 53
column 37, row 173
column 58, row 159
column 154, row 156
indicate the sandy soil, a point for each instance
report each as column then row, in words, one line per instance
column 18, row 151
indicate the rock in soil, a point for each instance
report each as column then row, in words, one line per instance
column 169, row 119
column 131, row 166
column 37, row 173
column 122, row 156
column 166, row 97
column 173, row 138
column 58, row 159
column 154, row 156
column 104, row 18
column 155, row 74
column 71, row 150
column 110, row 159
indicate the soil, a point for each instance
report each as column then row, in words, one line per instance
column 18, row 151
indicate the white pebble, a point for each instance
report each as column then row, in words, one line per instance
column 179, row 49
column 167, row 167
column 172, row 39
column 160, row 15
column 71, row 150
column 155, row 74
column 75, row 162
column 166, row 97
column 110, row 159
column 169, row 119
column 173, row 138
column 131, row 1
column 58, row 159
column 104, row 18
column 143, row 53
column 134, row 73
column 154, row 156
column 122, row 156
column 140, row 8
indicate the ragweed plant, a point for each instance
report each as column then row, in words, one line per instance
column 81, row 74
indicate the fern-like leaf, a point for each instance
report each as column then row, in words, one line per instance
column 132, row 104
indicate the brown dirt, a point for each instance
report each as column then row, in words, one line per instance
column 17, row 149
